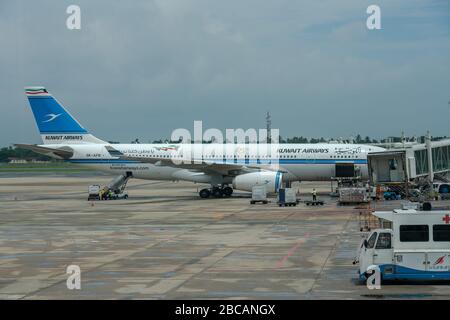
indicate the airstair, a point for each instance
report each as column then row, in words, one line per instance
column 118, row 184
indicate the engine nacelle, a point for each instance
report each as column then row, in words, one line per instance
column 271, row 179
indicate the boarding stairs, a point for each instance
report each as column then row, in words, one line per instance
column 118, row 184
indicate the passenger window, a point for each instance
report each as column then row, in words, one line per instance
column 414, row 233
column 384, row 241
column 441, row 232
column 371, row 241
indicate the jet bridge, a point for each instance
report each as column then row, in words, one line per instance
column 421, row 161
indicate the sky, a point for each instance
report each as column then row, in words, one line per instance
column 140, row 69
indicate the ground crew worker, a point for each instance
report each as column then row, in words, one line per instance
column 314, row 194
column 104, row 194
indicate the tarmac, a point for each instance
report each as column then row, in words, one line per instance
column 164, row 242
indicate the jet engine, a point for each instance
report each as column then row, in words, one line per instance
column 246, row 181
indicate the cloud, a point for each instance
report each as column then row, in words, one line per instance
column 144, row 69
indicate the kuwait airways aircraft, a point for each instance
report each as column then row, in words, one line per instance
column 223, row 166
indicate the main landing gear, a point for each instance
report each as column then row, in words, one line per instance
column 216, row 192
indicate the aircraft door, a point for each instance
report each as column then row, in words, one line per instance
column 344, row 170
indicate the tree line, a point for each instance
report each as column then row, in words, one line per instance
column 357, row 139
column 13, row 152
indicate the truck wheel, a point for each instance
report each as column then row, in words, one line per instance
column 362, row 281
column 366, row 275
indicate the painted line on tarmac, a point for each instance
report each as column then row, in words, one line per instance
column 291, row 251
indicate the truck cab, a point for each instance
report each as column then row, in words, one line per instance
column 412, row 245
column 377, row 250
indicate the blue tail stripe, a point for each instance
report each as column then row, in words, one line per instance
column 51, row 117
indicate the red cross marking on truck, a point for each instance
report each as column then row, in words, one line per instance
column 446, row 219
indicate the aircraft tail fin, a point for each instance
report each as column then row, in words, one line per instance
column 56, row 125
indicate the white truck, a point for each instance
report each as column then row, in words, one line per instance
column 411, row 245
column 94, row 192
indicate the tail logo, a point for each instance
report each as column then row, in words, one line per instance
column 51, row 117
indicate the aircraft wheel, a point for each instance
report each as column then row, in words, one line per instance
column 227, row 191
column 204, row 193
column 217, row 192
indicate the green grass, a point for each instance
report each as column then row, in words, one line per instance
column 41, row 167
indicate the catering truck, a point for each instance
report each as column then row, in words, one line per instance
column 412, row 244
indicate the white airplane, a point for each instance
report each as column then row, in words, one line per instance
column 223, row 166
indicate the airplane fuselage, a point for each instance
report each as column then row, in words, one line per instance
column 299, row 162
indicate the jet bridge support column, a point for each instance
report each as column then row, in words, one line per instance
column 430, row 157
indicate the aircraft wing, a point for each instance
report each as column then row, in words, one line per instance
column 62, row 153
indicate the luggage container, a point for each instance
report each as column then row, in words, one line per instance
column 259, row 194
column 287, row 197
column 353, row 195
